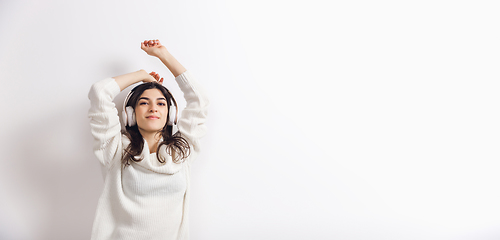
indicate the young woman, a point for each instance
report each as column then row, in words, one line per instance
column 146, row 168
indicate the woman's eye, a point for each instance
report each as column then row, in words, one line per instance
column 161, row 104
column 143, row 103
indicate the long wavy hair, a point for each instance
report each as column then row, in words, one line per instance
column 177, row 146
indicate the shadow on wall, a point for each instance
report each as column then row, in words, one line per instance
column 53, row 181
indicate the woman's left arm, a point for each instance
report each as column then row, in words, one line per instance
column 191, row 122
column 192, row 119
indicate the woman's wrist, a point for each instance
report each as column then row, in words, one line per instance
column 172, row 64
column 128, row 79
column 142, row 75
column 164, row 55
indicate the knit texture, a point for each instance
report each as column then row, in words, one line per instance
column 147, row 199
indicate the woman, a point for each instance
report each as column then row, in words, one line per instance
column 146, row 168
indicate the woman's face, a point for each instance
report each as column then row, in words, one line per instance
column 151, row 111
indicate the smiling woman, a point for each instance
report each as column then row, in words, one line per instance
column 147, row 166
column 150, row 120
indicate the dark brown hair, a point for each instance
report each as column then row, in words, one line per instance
column 177, row 146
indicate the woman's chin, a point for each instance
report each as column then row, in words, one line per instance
column 150, row 129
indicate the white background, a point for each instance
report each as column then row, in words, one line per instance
column 328, row 119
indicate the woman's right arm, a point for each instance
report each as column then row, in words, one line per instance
column 104, row 121
column 128, row 79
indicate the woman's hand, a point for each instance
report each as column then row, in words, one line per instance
column 156, row 76
column 152, row 77
column 153, row 48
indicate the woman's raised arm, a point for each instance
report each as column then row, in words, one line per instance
column 155, row 49
column 128, row 79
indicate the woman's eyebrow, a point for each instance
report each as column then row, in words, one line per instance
column 160, row 98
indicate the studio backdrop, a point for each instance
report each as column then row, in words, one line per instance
column 328, row 119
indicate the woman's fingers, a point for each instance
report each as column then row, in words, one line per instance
column 151, row 43
column 156, row 76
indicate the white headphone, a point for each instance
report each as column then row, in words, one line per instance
column 128, row 113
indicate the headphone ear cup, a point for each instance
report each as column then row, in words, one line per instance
column 130, row 116
column 124, row 117
column 171, row 115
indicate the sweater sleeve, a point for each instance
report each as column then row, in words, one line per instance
column 104, row 120
column 191, row 122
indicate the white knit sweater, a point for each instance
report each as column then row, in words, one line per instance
column 146, row 200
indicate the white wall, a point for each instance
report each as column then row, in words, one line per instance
column 328, row 120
